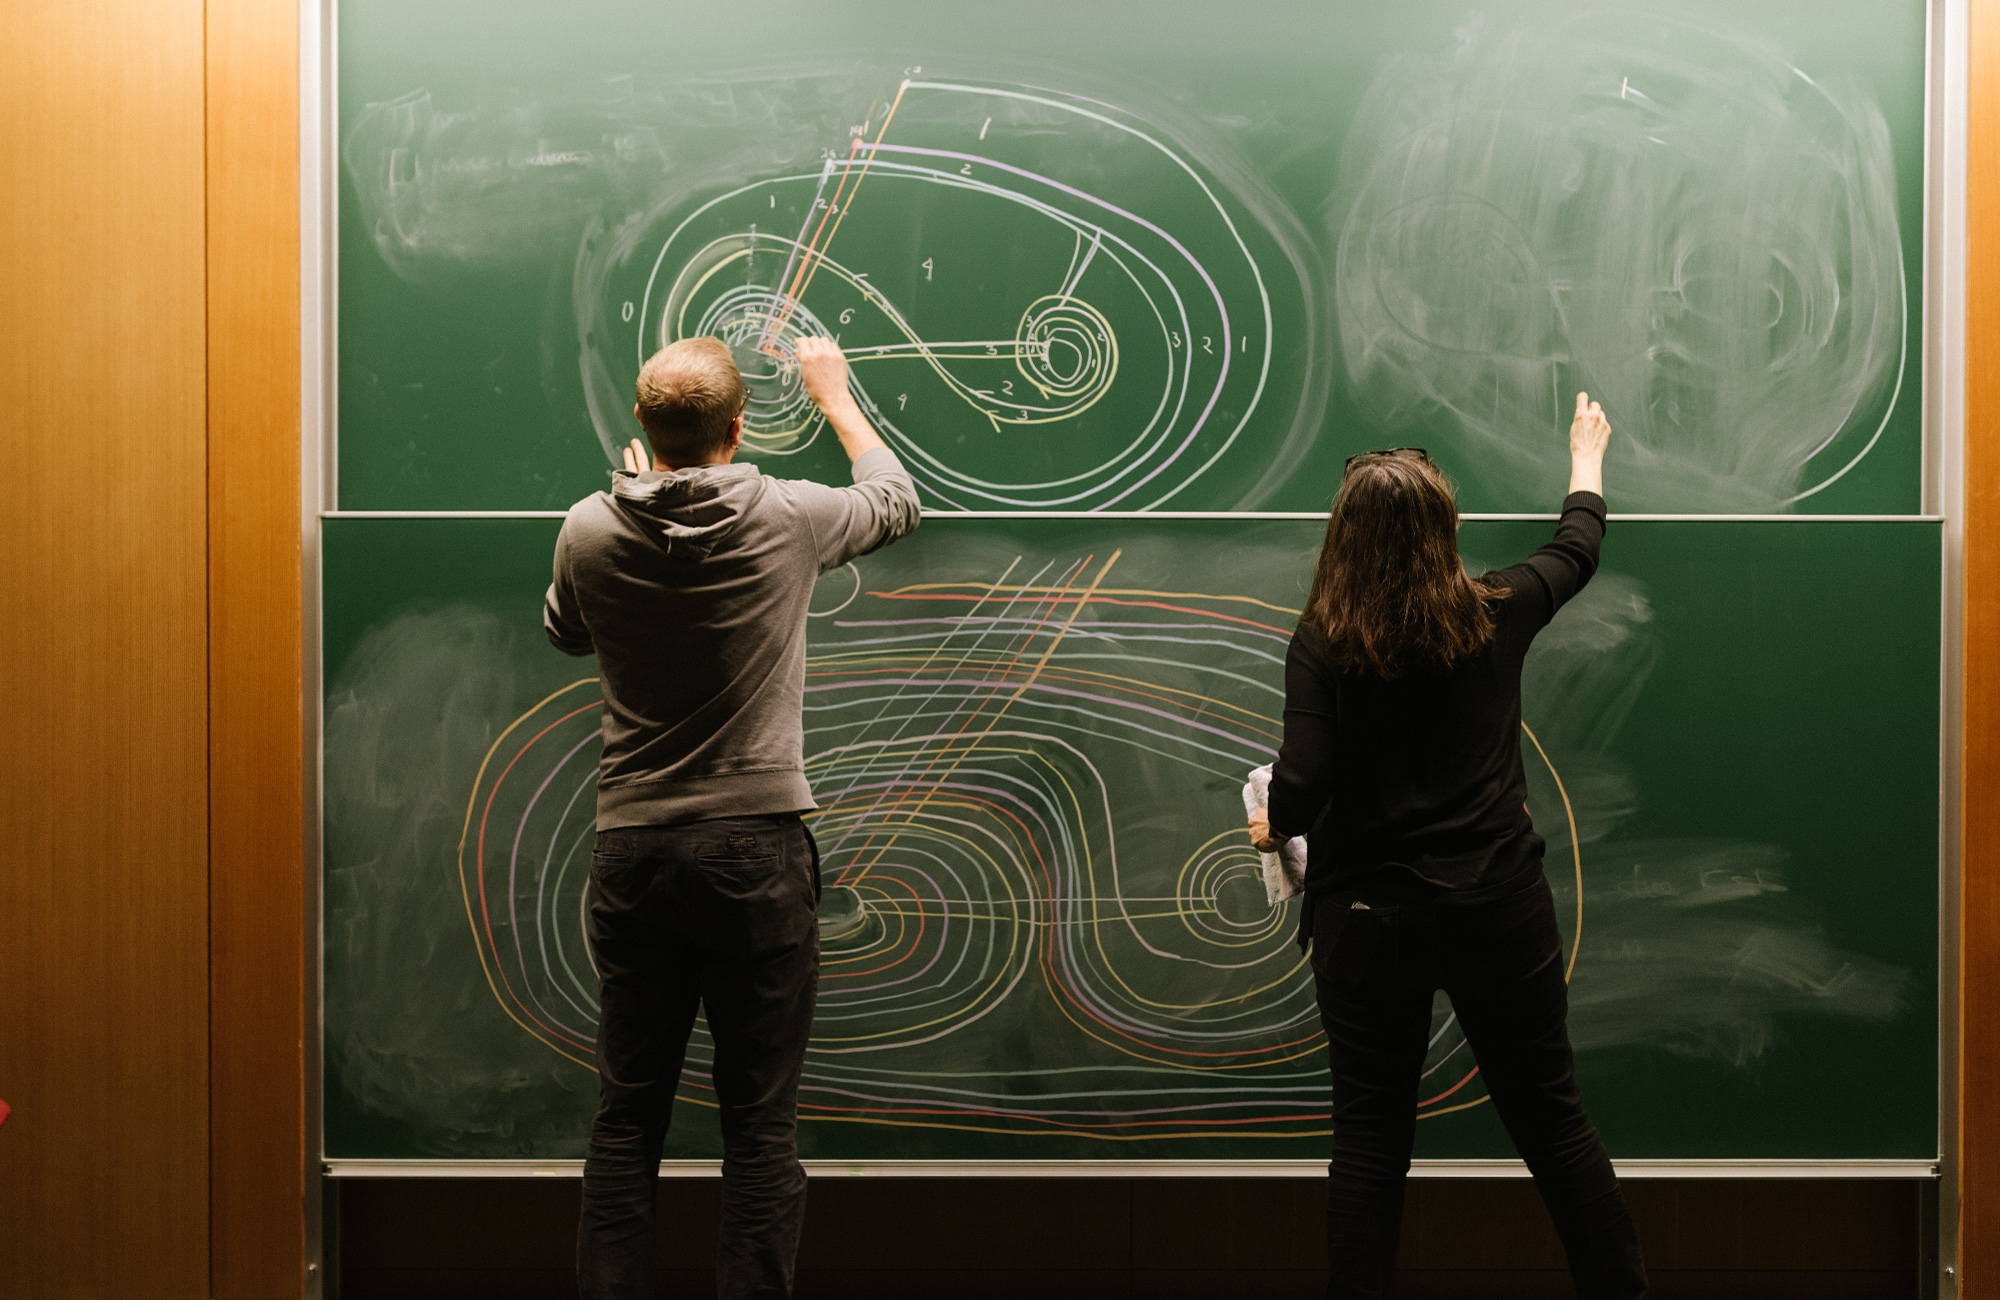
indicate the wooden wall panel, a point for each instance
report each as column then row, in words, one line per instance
column 1050, row 1239
column 1979, row 925
column 103, row 662
column 255, row 766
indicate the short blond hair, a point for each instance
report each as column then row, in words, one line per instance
column 689, row 391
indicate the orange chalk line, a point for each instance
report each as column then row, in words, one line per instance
column 1191, row 701
column 1104, row 600
column 1576, row 851
column 1108, row 591
column 815, row 253
column 1059, row 595
column 465, row 893
column 1026, row 640
column 810, row 266
column 994, row 722
column 929, row 659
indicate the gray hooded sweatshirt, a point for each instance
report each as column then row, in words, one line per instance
column 691, row 588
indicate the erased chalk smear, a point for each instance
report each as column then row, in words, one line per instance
column 1681, row 222
column 1697, row 947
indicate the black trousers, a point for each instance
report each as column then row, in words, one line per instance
column 1377, row 967
column 720, row 915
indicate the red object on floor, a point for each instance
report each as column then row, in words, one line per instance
column 5, row 1111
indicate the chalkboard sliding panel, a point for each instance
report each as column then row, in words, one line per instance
column 1950, row 330
column 318, row 461
column 1144, row 1168
column 421, row 335
column 1246, row 515
column 1044, row 940
column 1191, row 268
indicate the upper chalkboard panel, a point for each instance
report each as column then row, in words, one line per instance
column 1093, row 256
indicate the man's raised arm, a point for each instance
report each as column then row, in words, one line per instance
column 882, row 504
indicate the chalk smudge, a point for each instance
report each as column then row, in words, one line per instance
column 411, row 1030
column 1683, row 223
column 619, row 169
column 1697, row 947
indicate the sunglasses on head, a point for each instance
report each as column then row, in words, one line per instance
column 1418, row 452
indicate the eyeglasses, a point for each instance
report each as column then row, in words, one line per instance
column 1418, row 452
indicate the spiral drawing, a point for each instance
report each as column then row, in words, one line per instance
column 1028, row 822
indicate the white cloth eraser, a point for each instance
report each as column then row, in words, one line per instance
column 1284, row 872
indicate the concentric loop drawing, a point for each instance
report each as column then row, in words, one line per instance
column 1025, row 331
column 992, row 756
column 1539, row 212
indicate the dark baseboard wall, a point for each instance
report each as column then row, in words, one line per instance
column 1140, row 1239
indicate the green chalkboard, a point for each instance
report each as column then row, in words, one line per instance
column 1089, row 256
column 1043, row 934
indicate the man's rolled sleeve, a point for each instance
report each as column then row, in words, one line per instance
column 852, row 521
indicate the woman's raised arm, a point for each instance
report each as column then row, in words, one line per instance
column 1588, row 434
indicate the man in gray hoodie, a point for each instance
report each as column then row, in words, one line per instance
column 689, row 580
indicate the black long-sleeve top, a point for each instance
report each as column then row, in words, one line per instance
column 1413, row 789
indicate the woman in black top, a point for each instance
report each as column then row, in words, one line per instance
column 1401, row 764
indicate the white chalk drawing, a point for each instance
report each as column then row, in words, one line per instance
column 1698, row 232
column 1050, row 300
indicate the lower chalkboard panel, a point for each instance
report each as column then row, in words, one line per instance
column 1043, row 935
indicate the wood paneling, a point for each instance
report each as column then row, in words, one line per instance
column 255, row 764
column 1247, row 1239
column 1979, row 899
column 103, row 661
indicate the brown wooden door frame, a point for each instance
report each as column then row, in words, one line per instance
column 258, row 1149
column 1978, row 1146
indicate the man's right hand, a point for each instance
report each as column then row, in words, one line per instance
column 823, row 371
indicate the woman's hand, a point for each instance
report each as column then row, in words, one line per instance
column 1261, row 838
column 1588, row 434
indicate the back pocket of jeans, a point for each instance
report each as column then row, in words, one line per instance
column 753, row 903
column 734, row 875
column 1346, row 932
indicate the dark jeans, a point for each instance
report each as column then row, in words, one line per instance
column 1376, row 971
column 720, row 915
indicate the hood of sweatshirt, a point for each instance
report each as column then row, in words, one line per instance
column 690, row 511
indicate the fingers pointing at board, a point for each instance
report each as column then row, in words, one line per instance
column 637, row 459
column 1588, row 434
column 1589, row 431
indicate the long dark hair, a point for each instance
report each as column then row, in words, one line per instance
column 1390, row 594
